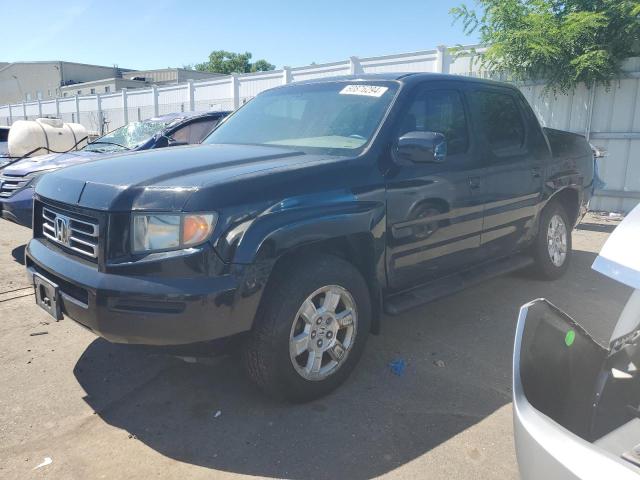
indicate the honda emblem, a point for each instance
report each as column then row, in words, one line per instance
column 62, row 230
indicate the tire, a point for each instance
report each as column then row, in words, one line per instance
column 269, row 353
column 549, row 263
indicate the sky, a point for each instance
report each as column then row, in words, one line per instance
column 171, row 33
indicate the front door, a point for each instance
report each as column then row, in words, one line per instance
column 434, row 210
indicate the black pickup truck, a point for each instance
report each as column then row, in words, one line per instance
column 312, row 210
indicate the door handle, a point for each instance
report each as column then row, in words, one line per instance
column 536, row 172
column 474, row 182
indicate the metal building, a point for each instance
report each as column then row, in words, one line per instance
column 33, row 81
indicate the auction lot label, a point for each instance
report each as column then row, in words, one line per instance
column 366, row 90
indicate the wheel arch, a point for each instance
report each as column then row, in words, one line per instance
column 359, row 249
column 569, row 198
column 350, row 228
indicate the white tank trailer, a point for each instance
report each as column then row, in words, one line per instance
column 45, row 135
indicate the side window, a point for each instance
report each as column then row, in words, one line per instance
column 196, row 131
column 440, row 111
column 500, row 117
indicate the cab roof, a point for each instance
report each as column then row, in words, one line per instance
column 405, row 77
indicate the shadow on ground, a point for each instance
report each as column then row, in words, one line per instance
column 597, row 227
column 18, row 254
column 374, row 423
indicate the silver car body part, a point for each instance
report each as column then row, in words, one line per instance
column 576, row 406
column 545, row 448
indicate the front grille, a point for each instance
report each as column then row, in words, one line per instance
column 11, row 183
column 67, row 230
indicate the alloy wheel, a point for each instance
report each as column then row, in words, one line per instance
column 557, row 244
column 323, row 332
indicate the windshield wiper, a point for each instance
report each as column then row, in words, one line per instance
column 109, row 143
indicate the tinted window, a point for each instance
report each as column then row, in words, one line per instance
column 440, row 111
column 500, row 118
column 4, row 134
column 195, row 132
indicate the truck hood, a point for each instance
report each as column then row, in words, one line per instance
column 164, row 179
column 51, row 161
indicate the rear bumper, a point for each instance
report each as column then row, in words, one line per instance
column 19, row 207
column 144, row 310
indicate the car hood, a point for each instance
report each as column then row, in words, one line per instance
column 165, row 179
column 51, row 161
column 619, row 259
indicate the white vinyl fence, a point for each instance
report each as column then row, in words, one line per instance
column 608, row 117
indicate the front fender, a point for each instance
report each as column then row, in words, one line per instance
column 279, row 230
column 254, row 245
column 359, row 227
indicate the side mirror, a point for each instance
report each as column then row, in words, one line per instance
column 422, row 147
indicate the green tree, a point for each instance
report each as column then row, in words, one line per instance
column 562, row 42
column 221, row 61
column 262, row 66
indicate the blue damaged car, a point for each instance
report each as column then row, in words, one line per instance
column 17, row 179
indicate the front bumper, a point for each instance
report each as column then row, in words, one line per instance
column 18, row 208
column 145, row 310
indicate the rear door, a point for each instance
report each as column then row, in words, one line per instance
column 514, row 153
column 434, row 212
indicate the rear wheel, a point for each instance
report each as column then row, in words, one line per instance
column 311, row 329
column 552, row 248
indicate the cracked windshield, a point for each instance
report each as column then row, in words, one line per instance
column 127, row 137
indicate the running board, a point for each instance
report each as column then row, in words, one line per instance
column 403, row 301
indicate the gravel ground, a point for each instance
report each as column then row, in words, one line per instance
column 106, row 411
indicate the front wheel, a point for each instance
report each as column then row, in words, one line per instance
column 311, row 329
column 552, row 248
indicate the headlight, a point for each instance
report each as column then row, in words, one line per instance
column 35, row 178
column 152, row 232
